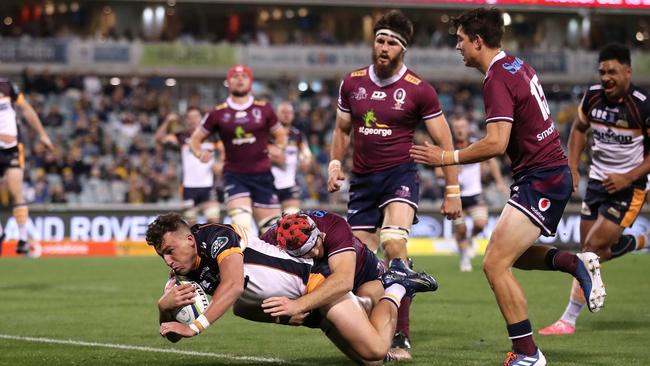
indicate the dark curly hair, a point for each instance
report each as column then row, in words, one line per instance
column 484, row 22
column 396, row 21
column 615, row 51
column 163, row 224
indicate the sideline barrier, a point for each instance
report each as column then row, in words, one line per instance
column 116, row 230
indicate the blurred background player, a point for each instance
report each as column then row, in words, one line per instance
column 240, row 270
column 285, row 166
column 199, row 194
column 245, row 126
column 618, row 113
column 12, row 162
column 382, row 105
column 518, row 122
column 471, row 193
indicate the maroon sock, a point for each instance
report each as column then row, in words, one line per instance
column 521, row 335
column 524, row 345
column 562, row 261
column 403, row 316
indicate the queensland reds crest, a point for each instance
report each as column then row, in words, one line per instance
column 257, row 115
column 544, row 204
column 400, row 97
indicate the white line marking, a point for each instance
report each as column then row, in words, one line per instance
column 146, row 349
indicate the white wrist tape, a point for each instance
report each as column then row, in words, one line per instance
column 456, row 157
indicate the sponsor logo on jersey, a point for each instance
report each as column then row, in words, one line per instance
column 257, row 115
column 241, row 114
column 358, row 73
column 412, row 79
column 514, row 66
column 611, row 137
column 378, row 95
column 544, row 204
column 639, row 95
column 399, row 96
column 546, row 133
column 622, row 123
column 372, row 127
column 227, row 117
column 360, row 94
column 203, row 244
column 243, row 137
column 217, row 245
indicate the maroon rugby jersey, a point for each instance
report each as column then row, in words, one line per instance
column 512, row 93
column 244, row 130
column 385, row 113
column 338, row 236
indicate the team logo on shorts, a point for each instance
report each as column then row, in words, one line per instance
column 544, row 204
column 403, row 192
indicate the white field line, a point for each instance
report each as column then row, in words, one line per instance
column 146, row 349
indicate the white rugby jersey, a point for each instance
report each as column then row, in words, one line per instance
column 285, row 176
column 196, row 174
column 619, row 131
column 9, row 95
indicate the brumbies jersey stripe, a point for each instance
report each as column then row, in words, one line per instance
column 619, row 129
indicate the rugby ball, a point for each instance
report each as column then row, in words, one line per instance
column 188, row 313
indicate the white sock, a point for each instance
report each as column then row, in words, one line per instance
column 394, row 293
column 572, row 312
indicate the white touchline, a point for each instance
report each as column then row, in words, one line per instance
column 146, row 349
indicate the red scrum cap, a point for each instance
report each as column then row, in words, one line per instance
column 297, row 234
column 239, row 68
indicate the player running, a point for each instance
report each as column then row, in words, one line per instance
column 381, row 105
column 240, row 270
column 618, row 113
column 244, row 125
column 518, row 122
column 12, row 160
column 285, row 166
column 199, row 194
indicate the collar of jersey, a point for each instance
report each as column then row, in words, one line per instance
column 240, row 107
column 385, row 82
column 496, row 58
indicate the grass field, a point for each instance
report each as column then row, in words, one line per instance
column 51, row 306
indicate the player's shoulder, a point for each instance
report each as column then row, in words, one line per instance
column 260, row 103
column 411, row 78
column 356, row 76
column 219, row 107
column 640, row 95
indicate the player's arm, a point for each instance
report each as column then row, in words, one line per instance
column 230, row 288
column 577, row 143
column 438, row 129
column 494, row 143
column 276, row 150
column 34, row 121
column 198, row 136
column 616, row 182
column 304, row 155
column 162, row 136
column 340, row 143
column 217, row 168
column 337, row 284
